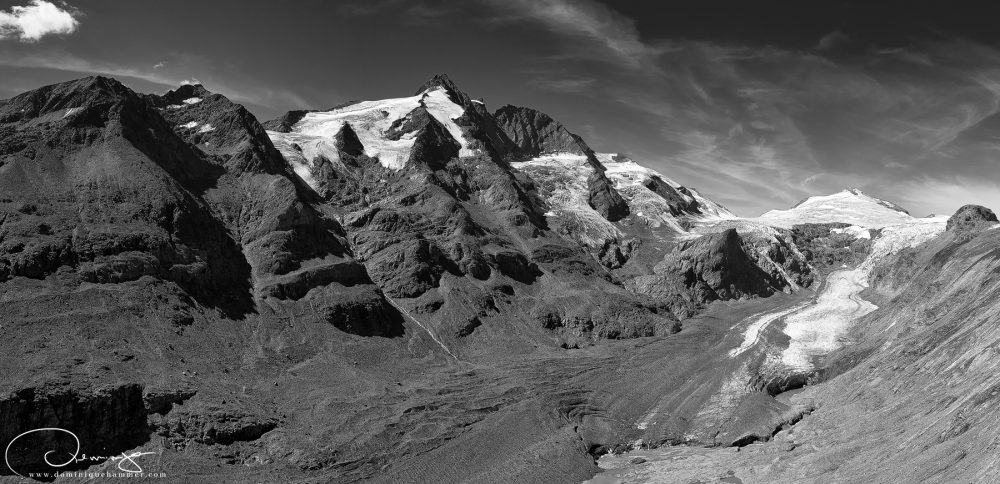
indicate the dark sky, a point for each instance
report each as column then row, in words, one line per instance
column 757, row 104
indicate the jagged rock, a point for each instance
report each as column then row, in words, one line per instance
column 678, row 201
column 347, row 141
column 535, row 132
column 445, row 82
column 604, row 198
column 971, row 218
column 433, row 145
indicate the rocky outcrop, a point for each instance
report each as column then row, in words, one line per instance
column 433, row 145
column 971, row 218
column 535, row 132
column 181, row 428
column 604, row 198
column 348, row 143
column 679, row 199
column 713, row 267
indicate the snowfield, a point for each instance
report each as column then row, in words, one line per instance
column 849, row 206
column 371, row 120
column 854, row 231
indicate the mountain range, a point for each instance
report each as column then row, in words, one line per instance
column 419, row 289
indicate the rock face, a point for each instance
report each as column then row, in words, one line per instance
column 536, row 133
column 714, row 267
column 970, row 218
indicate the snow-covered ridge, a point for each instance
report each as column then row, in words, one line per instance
column 563, row 180
column 630, row 177
column 371, row 121
column 848, row 206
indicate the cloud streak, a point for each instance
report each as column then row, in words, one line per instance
column 36, row 20
column 586, row 20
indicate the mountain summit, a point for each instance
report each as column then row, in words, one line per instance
column 848, row 206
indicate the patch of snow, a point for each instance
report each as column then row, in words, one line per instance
column 175, row 106
column 206, row 128
column 477, row 101
column 190, row 125
column 848, row 206
column 192, row 100
column 854, row 231
column 70, row 112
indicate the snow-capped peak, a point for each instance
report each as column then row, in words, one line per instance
column 850, row 206
column 371, row 120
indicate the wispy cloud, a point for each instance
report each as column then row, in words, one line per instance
column 586, row 20
column 36, row 20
